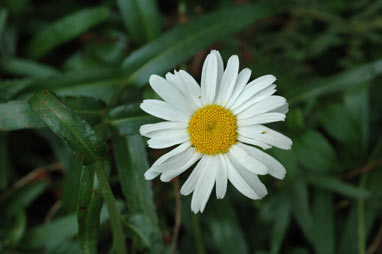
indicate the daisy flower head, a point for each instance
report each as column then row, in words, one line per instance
column 219, row 126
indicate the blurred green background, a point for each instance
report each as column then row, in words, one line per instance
column 97, row 57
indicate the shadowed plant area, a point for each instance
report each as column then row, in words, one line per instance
column 74, row 74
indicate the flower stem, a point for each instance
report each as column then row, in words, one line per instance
column 361, row 219
column 198, row 234
column 115, row 217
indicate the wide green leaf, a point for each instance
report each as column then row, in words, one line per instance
column 342, row 81
column 131, row 160
column 356, row 102
column 58, row 231
column 127, row 119
column 282, row 219
column 324, row 222
column 333, row 184
column 64, row 30
column 298, row 196
column 337, row 122
column 88, row 211
column 15, row 115
column 179, row 44
column 25, row 67
column 75, row 131
column 3, row 19
column 314, row 151
column 142, row 19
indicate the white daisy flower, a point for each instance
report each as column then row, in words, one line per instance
column 217, row 126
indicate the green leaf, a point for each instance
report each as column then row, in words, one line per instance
column 95, row 82
column 10, row 88
column 15, row 115
column 90, row 109
column 342, row 81
column 356, row 101
column 225, row 229
column 131, row 160
column 289, row 160
column 280, row 225
column 324, row 222
column 298, row 195
column 57, row 231
column 26, row 67
column 73, row 167
column 25, row 196
column 65, row 29
column 142, row 19
column 88, row 211
column 77, row 133
column 127, row 119
column 16, row 225
column 3, row 21
column 333, row 184
column 179, row 44
column 4, row 161
column 314, row 151
column 336, row 121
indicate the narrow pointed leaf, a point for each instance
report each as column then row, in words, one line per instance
column 75, row 131
column 179, row 44
column 342, row 81
column 64, row 30
column 131, row 160
column 141, row 18
column 88, row 210
column 333, row 184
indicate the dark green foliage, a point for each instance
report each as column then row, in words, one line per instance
column 72, row 77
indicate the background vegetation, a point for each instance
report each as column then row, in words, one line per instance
column 72, row 73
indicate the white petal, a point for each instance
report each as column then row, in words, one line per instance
column 176, row 168
column 204, row 185
column 150, row 174
column 275, row 168
column 283, row 109
column 264, row 134
column 146, row 129
column 236, row 153
column 168, row 133
column 262, row 119
column 175, row 161
column 167, row 141
column 263, row 106
column 228, row 81
column 191, row 86
column 209, row 78
column 177, row 150
column 221, row 177
column 190, row 183
column 237, row 180
column 252, row 88
column 260, row 96
column 241, row 82
column 253, row 141
column 253, row 182
column 164, row 110
column 170, row 93
column 220, row 65
column 153, row 172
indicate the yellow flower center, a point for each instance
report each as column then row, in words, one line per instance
column 212, row 129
